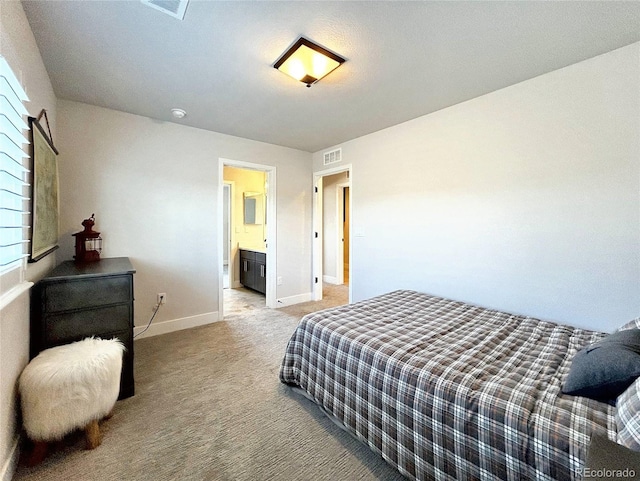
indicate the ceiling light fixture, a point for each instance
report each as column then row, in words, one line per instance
column 178, row 113
column 174, row 8
column 307, row 62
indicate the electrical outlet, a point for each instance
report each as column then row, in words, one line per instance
column 162, row 297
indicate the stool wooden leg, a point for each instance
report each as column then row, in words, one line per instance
column 38, row 454
column 92, row 434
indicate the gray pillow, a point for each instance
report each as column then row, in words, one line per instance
column 604, row 369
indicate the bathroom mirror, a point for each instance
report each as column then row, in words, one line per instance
column 253, row 208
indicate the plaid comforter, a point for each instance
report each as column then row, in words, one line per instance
column 446, row 390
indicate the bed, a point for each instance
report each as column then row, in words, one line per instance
column 446, row 390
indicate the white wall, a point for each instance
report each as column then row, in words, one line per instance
column 526, row 199
column 153, row 187
column 18, row 46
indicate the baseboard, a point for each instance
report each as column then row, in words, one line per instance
column 330, row 279
column 10, row 465
column 176, row 325
column 289, row 301
column 236, row 285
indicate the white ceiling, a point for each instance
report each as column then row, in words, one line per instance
column 404, row 59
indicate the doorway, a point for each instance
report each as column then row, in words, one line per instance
column 332, row 246
column 253, row 183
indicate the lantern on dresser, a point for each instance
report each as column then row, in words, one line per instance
column 88, row 242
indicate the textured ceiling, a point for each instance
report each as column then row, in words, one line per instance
column 404, row 59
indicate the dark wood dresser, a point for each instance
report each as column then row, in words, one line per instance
column 75, row 301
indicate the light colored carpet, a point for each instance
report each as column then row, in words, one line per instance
column 209, row 406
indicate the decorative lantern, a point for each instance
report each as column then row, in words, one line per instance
column 88, row 242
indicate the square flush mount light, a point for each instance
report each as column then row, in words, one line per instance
column 174, row 8
column 307, row 62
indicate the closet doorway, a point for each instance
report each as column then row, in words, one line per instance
column 332, row 246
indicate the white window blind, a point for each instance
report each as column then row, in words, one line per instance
column 14, row 230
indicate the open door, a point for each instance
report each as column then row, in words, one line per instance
column 345, row 234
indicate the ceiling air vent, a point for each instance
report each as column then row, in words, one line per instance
column 175, row 8
column 332, row 156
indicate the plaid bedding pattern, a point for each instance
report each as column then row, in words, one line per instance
column 627, row 419
column 446, row 390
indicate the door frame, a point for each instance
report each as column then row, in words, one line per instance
column 317, row 237
column 272, row 240
column 232, row 186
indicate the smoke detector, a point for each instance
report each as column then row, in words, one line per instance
column 174, row 8
column 178, row 113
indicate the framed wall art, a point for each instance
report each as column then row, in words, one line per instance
column 44, row 192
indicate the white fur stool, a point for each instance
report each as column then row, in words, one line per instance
column 70, row 387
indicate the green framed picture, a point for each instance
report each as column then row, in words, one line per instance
column 44, row 193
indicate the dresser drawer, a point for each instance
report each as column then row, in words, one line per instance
column 250, row 255
column 83, row 293
column 76, row 325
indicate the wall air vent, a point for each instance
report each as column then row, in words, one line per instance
column 175, row 8
column 333, row 156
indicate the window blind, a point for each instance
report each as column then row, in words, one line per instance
column 14, row 230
